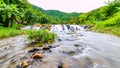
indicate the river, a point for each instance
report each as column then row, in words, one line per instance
column 75, row 48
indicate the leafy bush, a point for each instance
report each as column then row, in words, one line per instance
column 41, row 36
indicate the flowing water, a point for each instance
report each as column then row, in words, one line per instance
column 75, row 48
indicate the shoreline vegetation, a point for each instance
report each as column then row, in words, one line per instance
column 10, row 32
column 41, row 36
column 108, row 30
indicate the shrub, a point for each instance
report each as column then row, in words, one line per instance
column 41, row 36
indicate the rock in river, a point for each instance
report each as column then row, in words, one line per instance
column 37, row 55
column 46, row 48
column 33, row 50
column 25, row 64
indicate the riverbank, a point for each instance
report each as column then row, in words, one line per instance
column 35, row 35
column 10, row 32
column 115, row 30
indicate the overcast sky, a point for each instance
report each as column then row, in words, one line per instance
column 69, row 5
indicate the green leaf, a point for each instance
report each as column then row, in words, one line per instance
column 2, row 9
column 9, row 14
column 4, row 18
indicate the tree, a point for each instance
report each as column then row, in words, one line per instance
column 43, row 20
column 8, row 14
column 29, row 16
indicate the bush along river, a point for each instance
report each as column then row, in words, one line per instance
column 74, row 48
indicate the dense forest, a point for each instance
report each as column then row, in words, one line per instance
column 19, row 12
column 59, row 16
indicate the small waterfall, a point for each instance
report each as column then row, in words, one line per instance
column 65, row 28
column 72, row 27
column 56, row 28
column 79, row 27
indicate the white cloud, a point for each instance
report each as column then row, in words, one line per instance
column 69, row 5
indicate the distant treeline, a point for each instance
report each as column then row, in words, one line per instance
column 58, row 16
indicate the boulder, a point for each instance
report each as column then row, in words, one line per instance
column 59, row 39
column 77, row 45
column 46, row 48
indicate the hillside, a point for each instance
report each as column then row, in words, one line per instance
column 104, row 19
column 58, row 16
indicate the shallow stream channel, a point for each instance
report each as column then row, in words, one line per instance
column 75, row 47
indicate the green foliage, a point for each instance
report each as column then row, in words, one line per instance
column 29, row 16
column 112, row 22
column 17, row 26
column 42, row 36
column 62, row 16
column 105, row 19
column 110, row 25
column 74, row 21
column 10, row 32
column 20, row 12
column 43, row 20
column 115, row 30
column 56, row 16
column 101, row 14
column 8, row 14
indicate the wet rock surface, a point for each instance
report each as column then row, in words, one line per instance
column 25, row 64
column 81, row 49
column 37, row 55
